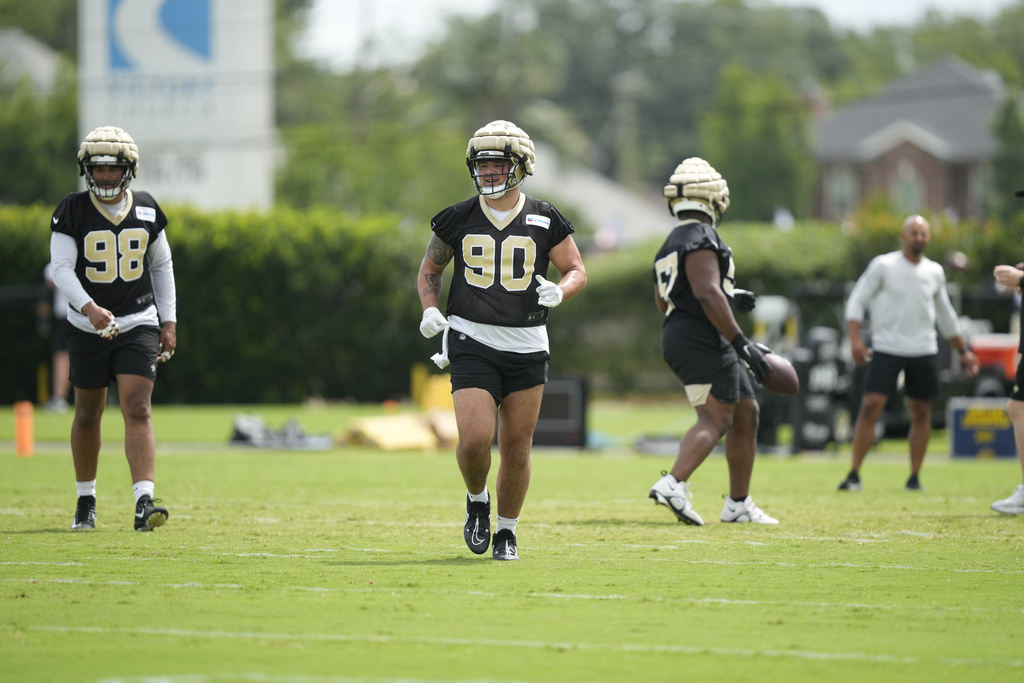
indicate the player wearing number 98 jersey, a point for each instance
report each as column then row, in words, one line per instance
column 115, row 255
column 111, row 260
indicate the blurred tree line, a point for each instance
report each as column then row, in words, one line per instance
column 629, row 87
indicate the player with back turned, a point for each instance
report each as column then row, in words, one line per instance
column 500, row 243
column 112, row 262
column 703, row 344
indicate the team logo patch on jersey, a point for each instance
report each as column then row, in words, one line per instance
column 539, row 221
column 145, row 213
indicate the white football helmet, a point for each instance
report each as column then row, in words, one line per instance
column 696, row 186
column 108, row 146
column 500, row 140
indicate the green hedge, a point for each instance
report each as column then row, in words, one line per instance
column 285, row 305
column 272, row 307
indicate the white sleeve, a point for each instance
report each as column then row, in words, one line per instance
column 945, row 314
column 63, row 256
column 860, row 296
column 161, row 267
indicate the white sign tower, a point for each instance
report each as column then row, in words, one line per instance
column 192, row 81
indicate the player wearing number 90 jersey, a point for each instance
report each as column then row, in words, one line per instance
column 495, row 261
column 494, row 337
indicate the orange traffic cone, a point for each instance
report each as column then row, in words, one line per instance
column 24, row 433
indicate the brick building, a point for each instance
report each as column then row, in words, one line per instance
column 924, row 143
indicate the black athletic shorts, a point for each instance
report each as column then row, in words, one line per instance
column 478, row 366
column 60, row 334
column 1018, row 383
column 96, row 361
column 920, row 375
column 704, row 362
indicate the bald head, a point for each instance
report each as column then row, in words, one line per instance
column 915, row 235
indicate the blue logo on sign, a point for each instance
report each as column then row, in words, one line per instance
column 185, row 23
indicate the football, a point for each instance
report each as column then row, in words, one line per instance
column 783, row 380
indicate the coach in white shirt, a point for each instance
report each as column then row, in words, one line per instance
column 904, row 295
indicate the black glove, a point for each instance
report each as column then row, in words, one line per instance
column 743, row 300
column 752, row 357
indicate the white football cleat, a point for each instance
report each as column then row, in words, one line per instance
column 745, row 511
column 675, row 495
column 1014, row 505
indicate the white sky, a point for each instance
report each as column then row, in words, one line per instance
column 387, row 32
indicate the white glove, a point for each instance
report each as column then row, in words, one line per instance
column 164, row 356
column 432, row 323
column 111, row 330
column 548, row 294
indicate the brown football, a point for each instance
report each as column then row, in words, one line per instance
column 783, row 379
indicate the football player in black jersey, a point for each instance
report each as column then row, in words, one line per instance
column 702, row 342
column 111, row 260
column 501, row 242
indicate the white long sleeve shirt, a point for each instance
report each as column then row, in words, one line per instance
column 904, row 301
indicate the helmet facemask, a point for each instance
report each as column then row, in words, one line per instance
column 495, row 173
column 500, row 156
column 108, row 146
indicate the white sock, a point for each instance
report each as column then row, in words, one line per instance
column 86, row 488
column 143, row 488
column 481, row 497
column 506, row 523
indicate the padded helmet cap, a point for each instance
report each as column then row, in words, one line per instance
column 697, row 186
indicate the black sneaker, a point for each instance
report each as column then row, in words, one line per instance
column 85, row 514
column 478, row 526
column 914, row 484
column 851, row 483
column 505, row 545
column 148, row 515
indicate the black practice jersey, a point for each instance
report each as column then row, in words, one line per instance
column 670, row 271
column 112, row 264
column 493, row 281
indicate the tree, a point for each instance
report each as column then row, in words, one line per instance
column 54, row 22
column 1008, row 160
column 757, row 136
column 39, row 141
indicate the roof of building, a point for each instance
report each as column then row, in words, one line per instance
column 23, row 56
column 945, row 109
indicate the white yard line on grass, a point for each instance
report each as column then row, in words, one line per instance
column 538, row 645
column 552, row 596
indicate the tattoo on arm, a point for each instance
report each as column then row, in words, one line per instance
column 439, row 252
column 433, row 285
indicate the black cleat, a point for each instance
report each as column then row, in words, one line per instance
column 505, row 545
column 478, row 526
column 914, row 484
column 148, row 515
column 851, row 483
column 85, row 514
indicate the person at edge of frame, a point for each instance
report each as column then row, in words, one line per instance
column 1012, row 277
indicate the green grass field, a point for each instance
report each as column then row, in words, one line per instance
column 348, row 565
